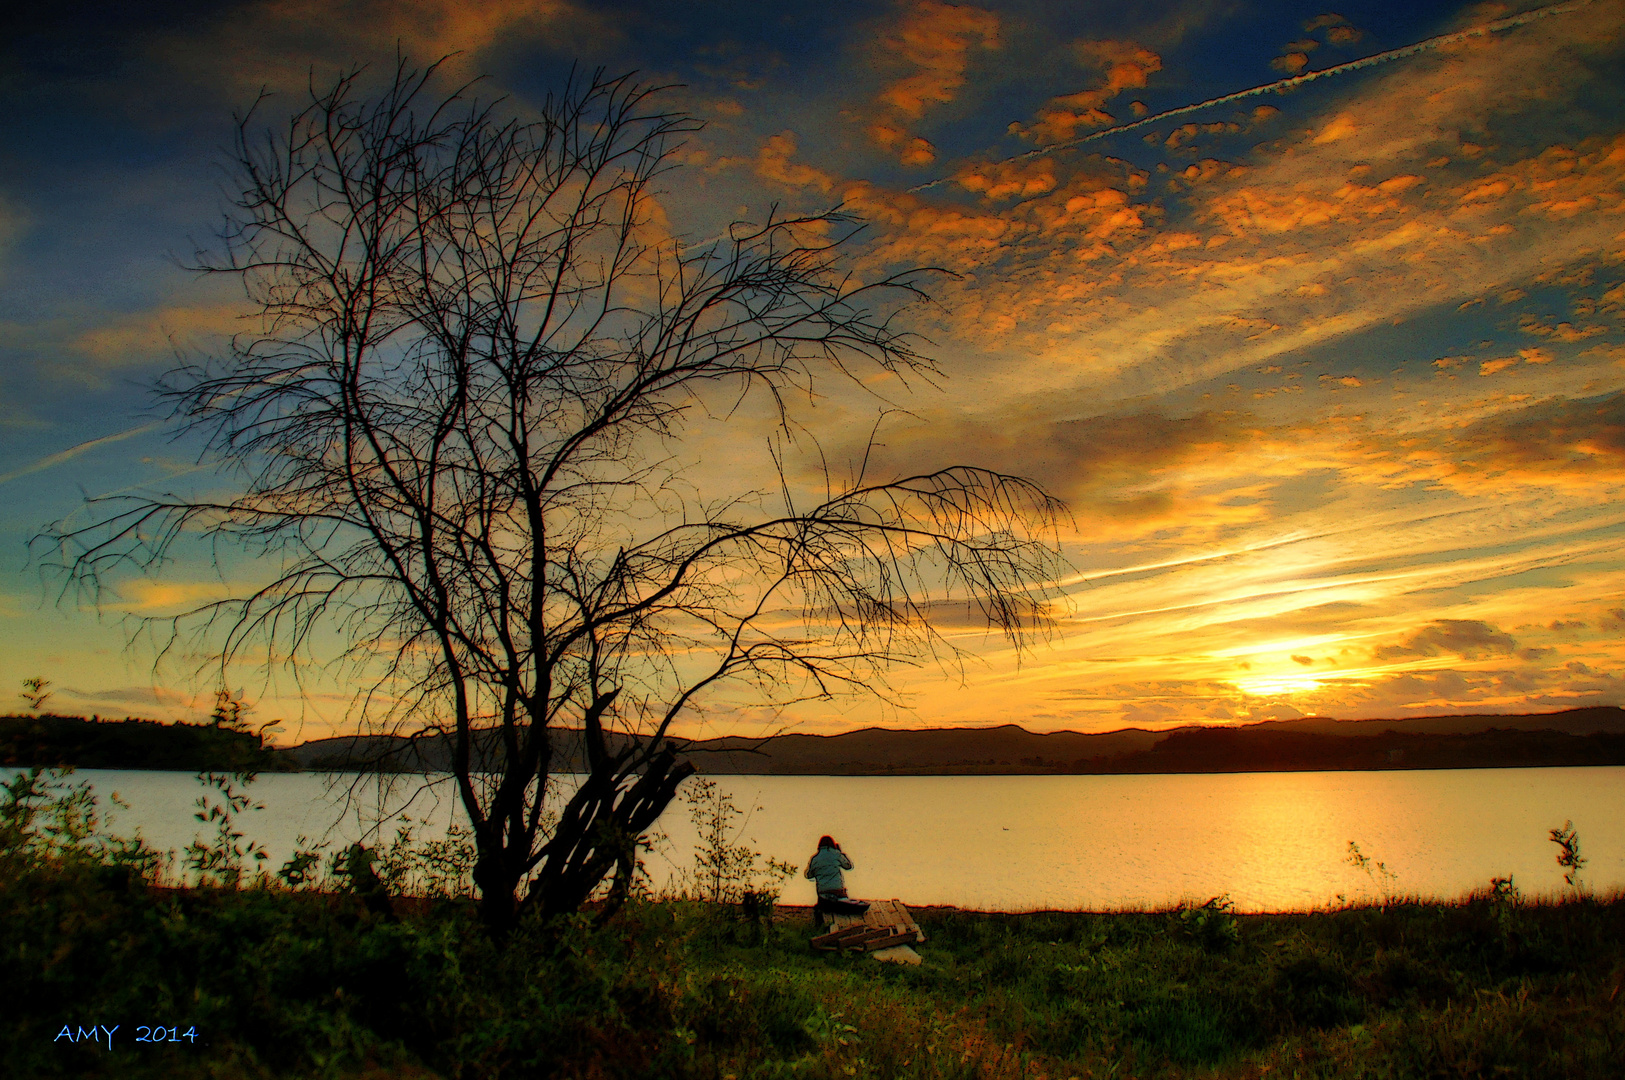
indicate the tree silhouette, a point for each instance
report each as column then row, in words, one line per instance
column 450, row 432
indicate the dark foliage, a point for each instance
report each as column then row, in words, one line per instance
column 130, row 744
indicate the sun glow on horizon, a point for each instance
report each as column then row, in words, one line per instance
column 1275, row 685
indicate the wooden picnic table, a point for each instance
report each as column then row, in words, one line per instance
column 887, row 930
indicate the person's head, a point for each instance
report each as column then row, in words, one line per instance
column 827, row 841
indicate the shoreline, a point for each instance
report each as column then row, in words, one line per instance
column 420, row 906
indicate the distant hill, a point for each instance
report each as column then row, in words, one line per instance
column 1597, row 720
column 945, row 751
column 1592, row 736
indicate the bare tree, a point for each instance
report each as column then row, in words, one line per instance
column 453, row 435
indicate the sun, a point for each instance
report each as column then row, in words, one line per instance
column 1275, row 685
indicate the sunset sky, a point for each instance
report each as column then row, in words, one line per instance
column 1332, row 378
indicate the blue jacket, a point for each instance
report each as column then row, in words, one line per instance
column 825, row 869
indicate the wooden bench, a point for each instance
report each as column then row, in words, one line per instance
column 886, row 930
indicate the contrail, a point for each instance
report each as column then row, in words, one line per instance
column 74, row 451
column 1297, row 80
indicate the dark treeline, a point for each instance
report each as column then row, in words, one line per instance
column 1240, row 750
column 1593, row 736
column 131, row 743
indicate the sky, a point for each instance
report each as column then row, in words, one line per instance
column 1331, row 375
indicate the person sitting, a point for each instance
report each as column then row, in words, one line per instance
column 824, row 870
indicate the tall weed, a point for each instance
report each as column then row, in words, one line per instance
column 727, row 871
column 218, row 859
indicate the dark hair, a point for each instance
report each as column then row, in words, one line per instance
column 826, row 841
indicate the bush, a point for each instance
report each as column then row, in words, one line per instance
column 1212, row 924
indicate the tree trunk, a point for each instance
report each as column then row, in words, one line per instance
column 597, row 835
column 496, row 886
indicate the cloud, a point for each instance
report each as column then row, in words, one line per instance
column 1558, row 184
column 1560, row 443
column 1291, row 63
column 1334, row 29
column 936, row 39
column 775, row 162
column 1564, row 332
column 147, row 335
column 1186, row 132
column 1123, row 66
column 1319, row 235
column 1122, row 475
column 933, row 41
column 1466, row 638
column 910, row 149
column 151, row 597
column 1524, row 689
column 135, row 696
column 1002, row 180
column 1094, row 277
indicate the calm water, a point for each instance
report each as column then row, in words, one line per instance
column 1270, row 840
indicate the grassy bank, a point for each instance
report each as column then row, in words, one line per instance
column 275, row 979
column 278, row 983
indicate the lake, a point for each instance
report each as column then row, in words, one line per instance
column 1272, row 841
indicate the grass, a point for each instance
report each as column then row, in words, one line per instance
column 284, row 982
column 280, row 983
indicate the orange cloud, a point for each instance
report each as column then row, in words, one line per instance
column 775, row 161
column 1560, row 183
column 1333, row 23
column 1123, row 474
column 934, row 39
column 1560, row 443
column 1008, row 179
column 921, row 232
column 1068, row 260
column 1126, row 66
column 1467, row 638
column 147, row 335
column 1563, row 331
column 146, row 596
column 910, row 149
column 1187, row 132
column 1273, row 208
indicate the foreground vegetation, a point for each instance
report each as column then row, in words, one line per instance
column 277, row 981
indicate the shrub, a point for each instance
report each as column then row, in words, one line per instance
column 1568, row 854
column 1211, row 924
